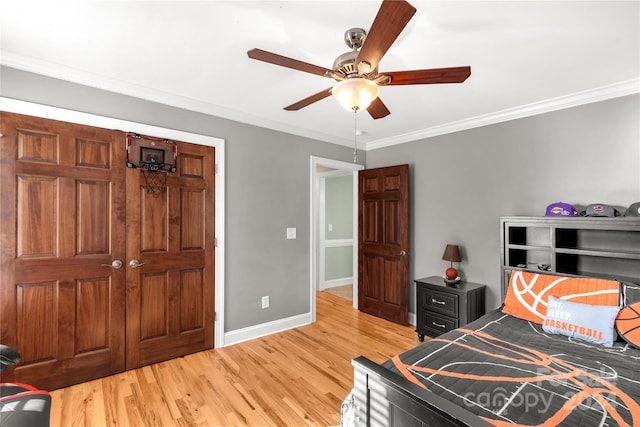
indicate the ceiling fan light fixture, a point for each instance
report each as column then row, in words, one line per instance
column 356, row 71
column 355, row 93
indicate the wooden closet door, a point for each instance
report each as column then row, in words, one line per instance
column 170, row 296
column 62, row 225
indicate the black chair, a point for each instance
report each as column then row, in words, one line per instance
column 21, row 405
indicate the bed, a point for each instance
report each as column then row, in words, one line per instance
column 550, row 356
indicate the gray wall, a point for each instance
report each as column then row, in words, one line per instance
column 463, row 182
column 267, row 190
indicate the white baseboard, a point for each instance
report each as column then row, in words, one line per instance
column 412, row 319
column 264, row 329
column 336, row 282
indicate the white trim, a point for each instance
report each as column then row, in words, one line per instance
column 327, row 284
column 336, row 243
column 62, row 72
column 354, row 295
column 616, row 90
column 314, row 219
column 264, row 329
column 55, row 113
column 322, row 207
column 98, row 81
column 412, row 319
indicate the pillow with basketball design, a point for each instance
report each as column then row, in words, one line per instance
column 528, row 293
column 628, row 324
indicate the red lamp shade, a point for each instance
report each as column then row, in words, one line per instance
column 452, row 253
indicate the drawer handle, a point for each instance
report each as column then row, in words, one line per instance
column 433, row 300
column 439, row 325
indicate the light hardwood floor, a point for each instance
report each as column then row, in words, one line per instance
column 293, row 378
column 345, row 291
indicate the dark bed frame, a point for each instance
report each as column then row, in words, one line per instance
column 384, row 398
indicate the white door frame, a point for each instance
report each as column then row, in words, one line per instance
column 315, row 216
column 61, row 114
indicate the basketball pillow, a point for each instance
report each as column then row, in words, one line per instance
column 528, row 293
column 628, row 324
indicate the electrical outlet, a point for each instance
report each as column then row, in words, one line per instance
column 291, row 233
column 265, row 301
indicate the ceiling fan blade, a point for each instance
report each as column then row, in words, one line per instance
column 377, row 109
column 430, row 76
column 391, row 19
column 309, row 100
column 284, row 61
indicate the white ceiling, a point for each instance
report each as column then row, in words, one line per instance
column 525, row 57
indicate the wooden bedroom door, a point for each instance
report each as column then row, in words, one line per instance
column 383, row 242
column 62, row 304
column 170, row 296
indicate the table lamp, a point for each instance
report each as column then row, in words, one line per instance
column 451, row 254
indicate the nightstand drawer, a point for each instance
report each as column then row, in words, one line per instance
column 441, row 308
column 436, row 324
column 441, row 302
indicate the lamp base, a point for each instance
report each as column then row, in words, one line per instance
column 451, row 281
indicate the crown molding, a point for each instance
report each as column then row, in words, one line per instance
column 138, row 91
column 603, row 93
column 58, row 71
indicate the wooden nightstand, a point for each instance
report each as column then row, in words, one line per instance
column 441, row 308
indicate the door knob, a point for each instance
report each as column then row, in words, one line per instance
column 134, row 263
column 116, row 264
column 402, row 253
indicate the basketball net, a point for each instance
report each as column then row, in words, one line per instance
column 155, row 180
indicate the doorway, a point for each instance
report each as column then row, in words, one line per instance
column 322, row 167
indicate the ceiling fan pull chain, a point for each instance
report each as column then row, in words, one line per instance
column 355, row 134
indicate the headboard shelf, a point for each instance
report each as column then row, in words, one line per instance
column 607, row 248
column 608, row 254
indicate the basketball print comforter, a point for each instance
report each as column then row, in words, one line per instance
column 510, row 372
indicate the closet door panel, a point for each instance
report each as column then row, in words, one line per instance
column 62, row 226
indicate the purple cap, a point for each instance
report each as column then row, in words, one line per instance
column 561, row 209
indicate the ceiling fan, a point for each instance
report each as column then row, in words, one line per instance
column 357, row 71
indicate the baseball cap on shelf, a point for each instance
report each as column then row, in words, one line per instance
column 561, row 209
column 600, row 209
column 633, row 209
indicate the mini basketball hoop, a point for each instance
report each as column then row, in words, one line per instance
column 156, row 159
column 155, row 176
